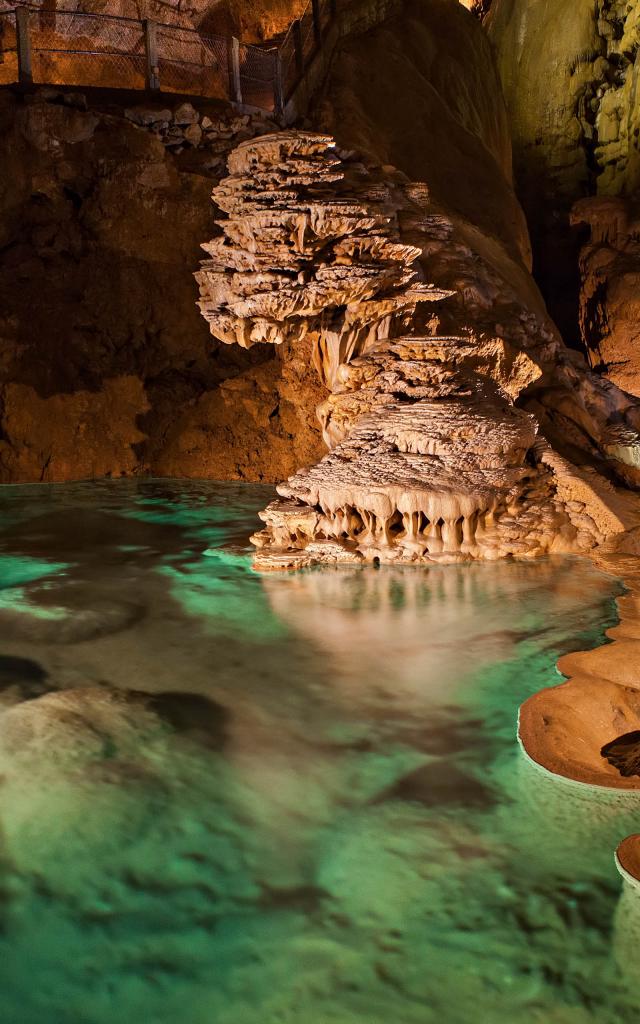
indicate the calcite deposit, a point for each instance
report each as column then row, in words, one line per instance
column 429, row 458
column 628, row 859
column 587, row 729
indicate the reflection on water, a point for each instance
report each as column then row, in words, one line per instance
column 298, row 799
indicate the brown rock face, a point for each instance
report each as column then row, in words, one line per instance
column 258, row 425
column 110, row 212
column 610, row 291
column 89, row 435
column 253, row 21
column 107, row 368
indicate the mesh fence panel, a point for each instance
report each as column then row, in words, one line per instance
column 257, row 76
column 74, row 48
column 8, row 49
column 86, row 49
column 71, row 31
column 191, row 63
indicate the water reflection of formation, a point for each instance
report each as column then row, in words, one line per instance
column 254, row 800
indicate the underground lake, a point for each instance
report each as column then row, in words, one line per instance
column 289, row 798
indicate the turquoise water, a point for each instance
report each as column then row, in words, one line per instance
column 228, row 798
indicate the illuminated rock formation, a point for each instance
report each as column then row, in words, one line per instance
column 628, row 859
column 610, row 293
column 308, row 247
column 436, row 479
column 429, row 460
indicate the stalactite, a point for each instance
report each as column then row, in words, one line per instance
column 429, row 459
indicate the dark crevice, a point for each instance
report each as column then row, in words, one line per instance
column 623, row 753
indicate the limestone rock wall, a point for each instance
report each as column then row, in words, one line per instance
column 250, row 20
column 570, row 70
column 570, row 76
column 106, row 367
column 610, row 291
column 110, row 210
column 422, row 93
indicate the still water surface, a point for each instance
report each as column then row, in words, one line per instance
column 321, row 814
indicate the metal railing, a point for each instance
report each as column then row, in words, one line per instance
column 106, row 51
column 73, row 48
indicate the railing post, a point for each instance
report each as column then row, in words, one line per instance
column 317, row 27
column 278, row 86
column 233, row 56
column 152, row 70
column 297, row 43
column 25, row 67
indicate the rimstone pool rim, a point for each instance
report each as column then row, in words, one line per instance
column 546, row 756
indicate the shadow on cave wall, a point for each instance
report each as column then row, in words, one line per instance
column 555, row 243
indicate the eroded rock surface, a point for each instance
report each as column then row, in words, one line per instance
column 109, row 370
column 610, row 287
column 570, row 74
column 422, row 92
column 429, row 458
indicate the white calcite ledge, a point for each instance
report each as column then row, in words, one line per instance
column 430, row 459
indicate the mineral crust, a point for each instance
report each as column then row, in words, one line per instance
column 429, row 457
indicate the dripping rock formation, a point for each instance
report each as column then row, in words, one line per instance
column 430, row 457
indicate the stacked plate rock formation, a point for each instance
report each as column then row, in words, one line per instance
column 429, row 459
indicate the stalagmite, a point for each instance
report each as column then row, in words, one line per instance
column 429, row 460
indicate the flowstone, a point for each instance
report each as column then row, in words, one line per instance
column 430, row 459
